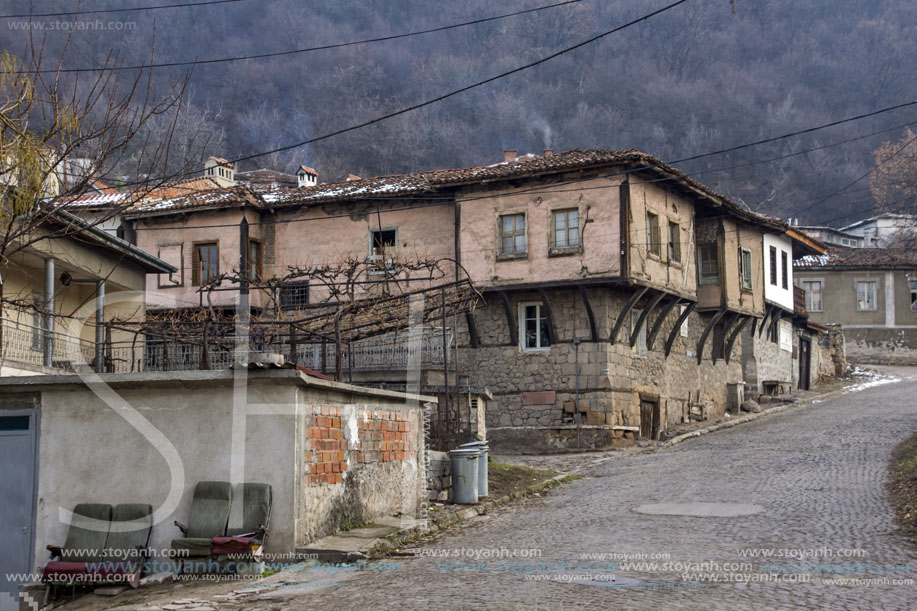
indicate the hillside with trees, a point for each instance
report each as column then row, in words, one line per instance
column 698, row 78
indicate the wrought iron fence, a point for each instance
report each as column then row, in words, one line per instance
column 25, row 344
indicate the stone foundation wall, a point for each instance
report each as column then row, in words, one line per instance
column 536, row 390
column 882, row 346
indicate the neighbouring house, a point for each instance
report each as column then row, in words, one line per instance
column 871, row 293
column 57, row 289
column 616, row 287
column 832, row 236
column 266, row 179
column 881, row 230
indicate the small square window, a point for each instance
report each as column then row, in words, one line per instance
column 566, row 228
column 512, row 234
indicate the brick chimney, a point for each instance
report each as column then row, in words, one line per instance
column 548, row 153
column 510, row 154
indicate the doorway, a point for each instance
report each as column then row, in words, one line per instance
column 649, row 418
column 18, row 444
column 805, row 362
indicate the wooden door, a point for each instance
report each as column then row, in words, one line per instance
column 805, row 356
column 649, row 418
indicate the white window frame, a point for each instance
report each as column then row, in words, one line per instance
column 810, row 306
column 540, row 320
column 875, row 295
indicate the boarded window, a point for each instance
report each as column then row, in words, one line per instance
column 773, row 259
column 566, row 228
column 785, row 268
column 652, row 234
column 674, row 242
column 206, row 263
column 708, row 269
column 172, row 254
column 512, row 234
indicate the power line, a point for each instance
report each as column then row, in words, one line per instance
column 308, row 49
column 118, row 10
column 448, row 200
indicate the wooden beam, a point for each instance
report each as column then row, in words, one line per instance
column 735, row 334
column 594, row 335
column 548, row 316
column 677, row 327
column 768, row 312
column 754, row 326
column 643, row 315
column 473, row 337
column 510, row 319
column 657, row 325
column 719, row 339
column 703, row 338
column 624, row 312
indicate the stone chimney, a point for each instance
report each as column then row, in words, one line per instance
column 221, row 171
column 510, row 155
column 306, row 177
column 548, row 153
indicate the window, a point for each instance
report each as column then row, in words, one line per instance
column 813, row 289
column 773, row 252
column 294, row 296
column 708, row 271
column 382, row 246
column 206, row 263
column 255, row 261
column 913, row 286
column 512, row 234
column 674, row 242
column 533, row 331
column 866, row 295
column 745, row 268
column 785, row 268
column 566, row 228
column 652, row 234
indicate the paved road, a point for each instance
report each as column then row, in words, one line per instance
column 816, row 472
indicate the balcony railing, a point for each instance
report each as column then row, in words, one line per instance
column 25, row 344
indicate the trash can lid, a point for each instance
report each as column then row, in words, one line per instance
column 460, row 452
column 472, row 444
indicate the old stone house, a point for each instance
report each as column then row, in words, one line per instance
column 616, row 287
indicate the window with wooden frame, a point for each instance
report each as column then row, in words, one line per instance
column 813, row 289
column 866, row 295
column 566, row 228
column 205, row 265
column 255, row 261
column 652, row 234
column 708, row 266
column 785, row 268
column 512, row 234
column 745, row 269
column 674, row 242
column 773, row 257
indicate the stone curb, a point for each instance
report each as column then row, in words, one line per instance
column 748, row 418
column 391, row 542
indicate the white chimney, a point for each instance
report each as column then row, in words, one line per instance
column 221, row 171
column 306, row 176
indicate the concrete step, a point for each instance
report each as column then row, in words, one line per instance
column 354, row 545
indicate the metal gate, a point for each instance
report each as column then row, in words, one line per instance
column 18, row 445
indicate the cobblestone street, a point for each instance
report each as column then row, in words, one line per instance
column 817, row 471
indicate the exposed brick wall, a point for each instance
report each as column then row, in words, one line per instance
column 382, row 437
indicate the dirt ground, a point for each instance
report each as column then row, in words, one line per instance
column 902, row 485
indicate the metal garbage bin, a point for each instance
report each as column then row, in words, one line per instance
column 464, row 475
column 484, row 449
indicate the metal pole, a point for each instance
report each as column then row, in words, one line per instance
column 100, row 330
column 444, row 414
column 576, row 411
column 244, row 312
column 49, row 310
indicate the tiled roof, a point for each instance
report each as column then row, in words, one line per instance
column 265, row 176
column 860, row 258
column 307, row 170
column 228, row 197
column 221, row 161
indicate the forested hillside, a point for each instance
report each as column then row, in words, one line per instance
column 698, row 78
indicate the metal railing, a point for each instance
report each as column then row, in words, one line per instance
column 25, row 344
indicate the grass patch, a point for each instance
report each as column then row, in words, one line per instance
column 902, row 485
column 508, row 479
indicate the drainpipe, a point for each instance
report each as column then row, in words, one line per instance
column 100, row 329
column 576, row 342
column 49, row 307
